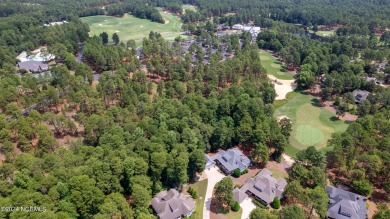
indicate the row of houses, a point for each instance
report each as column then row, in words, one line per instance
column 264, row 187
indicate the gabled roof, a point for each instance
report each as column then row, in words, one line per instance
column 35, row 66
column 345, row 205
column 265, row 186
column 360, row 95
column 239, row 195
column 172, row 204
column 232, row 159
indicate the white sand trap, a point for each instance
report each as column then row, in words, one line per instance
column 100, row 24
column 282, row 117
column 282, row 87
column 141, row 26
column 166, row 21
column 117, row 31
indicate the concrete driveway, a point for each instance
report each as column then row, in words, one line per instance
column 247, row 207
column 214, row 175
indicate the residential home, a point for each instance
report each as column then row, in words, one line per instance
column 345, row 205
column 360, row 95
column 237, row 27
column 264, row 187
column 33, row 66
column 172, row 205
column 229, row 160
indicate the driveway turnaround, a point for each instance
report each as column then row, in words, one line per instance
column 247, row 207
column 214, row 175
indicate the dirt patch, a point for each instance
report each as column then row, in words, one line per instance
column 347, row 117
column 166, row 21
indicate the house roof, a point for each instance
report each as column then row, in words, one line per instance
column 239, row 195
column 232, row 159
column 360, row 95
column 345, row 205
column 36, row 66
column 265, row 186
column 172, row 204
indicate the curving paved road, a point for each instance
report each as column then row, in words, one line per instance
column 214, row 175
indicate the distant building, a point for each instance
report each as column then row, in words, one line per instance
column 33, row 66
column 345, row 205
column 55, row 23
column 229, row 160
column 263, row 187
column 237, row 27
column 172, row 205
column 360, row 95
column 221, row 27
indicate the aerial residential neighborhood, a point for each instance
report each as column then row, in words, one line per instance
column 169, row 109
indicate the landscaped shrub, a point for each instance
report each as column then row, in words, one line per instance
column 192, row 192
column 276, row 203
column 259, row 204
column 245, row 171
column 236, row 173
column 235, row 207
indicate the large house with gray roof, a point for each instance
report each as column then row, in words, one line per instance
column 345, row 205
column 360, row 95
column 263, row 187
column 33, row 66
column 172, row 205
column 229, row 160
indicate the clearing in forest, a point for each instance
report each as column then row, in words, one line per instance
column 130, row 27
column 189, row 7
column 274, row 67
column 313, row 124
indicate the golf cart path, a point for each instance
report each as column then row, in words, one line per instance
column 214, row 175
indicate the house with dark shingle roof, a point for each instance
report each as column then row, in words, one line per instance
column 33, row 66
column 264, row 187
column 229, row 160
column 360, row 95
column 345, row 205
column 172, row 205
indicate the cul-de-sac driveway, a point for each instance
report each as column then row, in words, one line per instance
column 214, row 175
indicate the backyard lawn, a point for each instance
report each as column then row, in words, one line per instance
column 130, row 27
column 200, row 187
column 273, row 66
column 312, row 123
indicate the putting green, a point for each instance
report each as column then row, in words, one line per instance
column 130, row 27
column 308, row 135
column 313, row 125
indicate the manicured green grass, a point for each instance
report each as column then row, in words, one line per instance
column 324, row 33
column 130, row 27
column 273, row 66
column 231, row 214
column 312, row 123
column 229, row 14
column 200, row 187
column 277, row 173
column 190, row 7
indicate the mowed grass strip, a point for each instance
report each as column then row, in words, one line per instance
column 130, row 27
column 200, row 187
column 190, row 7
column 273, row 66
column 313, row 125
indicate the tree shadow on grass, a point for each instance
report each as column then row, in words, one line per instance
column 317, row 103
column 217, row 208
column 334, row 119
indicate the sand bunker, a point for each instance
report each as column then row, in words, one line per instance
column 282, row 87
column 166, row 21
column 100, row 24
column 274, row 65
column 117, row 31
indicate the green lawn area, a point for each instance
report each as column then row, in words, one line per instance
column 200, row 187
column 273, row 66
column 324, row 33
column 190, row 7
column 231, row 214
column 229, row 14
column 277, row 173
column 130, row 27
column 312, row 124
